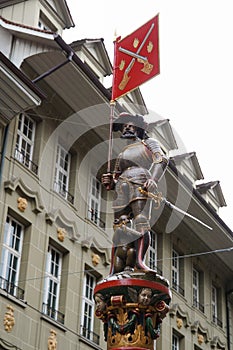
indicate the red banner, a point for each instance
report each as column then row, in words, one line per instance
column 136, row 58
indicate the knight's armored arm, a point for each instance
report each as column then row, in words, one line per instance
column 109, row 179
column 159, row 168
column 117, row 170
column 160, row 160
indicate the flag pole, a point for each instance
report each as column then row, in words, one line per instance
column 112, row 109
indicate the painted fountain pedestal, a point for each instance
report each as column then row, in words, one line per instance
column 132, row 306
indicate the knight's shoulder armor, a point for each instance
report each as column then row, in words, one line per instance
column 154, row 146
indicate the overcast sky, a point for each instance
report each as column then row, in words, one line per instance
column 194, row 88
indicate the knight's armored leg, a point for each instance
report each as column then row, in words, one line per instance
column 114, row 246
column 112, row 261
column 120, row 247
column 142, row 244
column 131, row 257
column 141, row 210
column 142, row 247
column 120, row 259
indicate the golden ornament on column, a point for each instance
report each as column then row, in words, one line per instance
column 61, row 233
column 52, row 340
column 22, row 204
column 95, row 259
column 9, row 319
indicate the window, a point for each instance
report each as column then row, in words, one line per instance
column 197, row 290
column 45, row 24
column 95, row 202
column 196, row 347
column 215, row 303
column 62, row 172
column 87, row 321
column 25, row 141
column 175, row 342
column 153, row 252
column 11, row 257
column 52, row 285
column 195, row 287
column 175, row 270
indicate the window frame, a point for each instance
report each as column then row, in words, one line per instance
column 216, row 313
column 10, row 256
column 53, row 272
column 196, row 287
column 60, row 170
column 153, row 251
column 175, row 342
column 22, row 154
column 88, row 305
column 44, row 23
column 175, row 270
column 94, row 205
column 214, row 303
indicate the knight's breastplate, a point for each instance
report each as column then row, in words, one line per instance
column 137, row 155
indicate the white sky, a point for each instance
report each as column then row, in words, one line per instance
column 194, row 88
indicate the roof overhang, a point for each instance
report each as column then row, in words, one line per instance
column 190, row 162
column 162, row 131
column 18, row 93
column 43, row 37
column 98, row 56
column 64, row 10
column 69, row 82
column 5, row 3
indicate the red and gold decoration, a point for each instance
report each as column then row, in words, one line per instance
column 136, row 58
column 132, row 306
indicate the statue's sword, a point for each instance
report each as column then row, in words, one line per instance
column 159, row 199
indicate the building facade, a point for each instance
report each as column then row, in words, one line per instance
column 56, row 218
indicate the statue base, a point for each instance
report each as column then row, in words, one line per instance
column 132, row 306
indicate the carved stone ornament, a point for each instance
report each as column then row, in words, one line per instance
column 179, row 322
column 95, row 259
column 200, row 338
column 22, row 204
column 61, row 233
column 9, row 319
column 52, row 340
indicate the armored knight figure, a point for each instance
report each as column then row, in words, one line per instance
column 138, row 168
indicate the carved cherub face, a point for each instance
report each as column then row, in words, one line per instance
column 61, row 232
column 100, row 302
column 22, row 203
column 144, row 296
column 179, row 322
column 95, row 259
column 200, row 338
